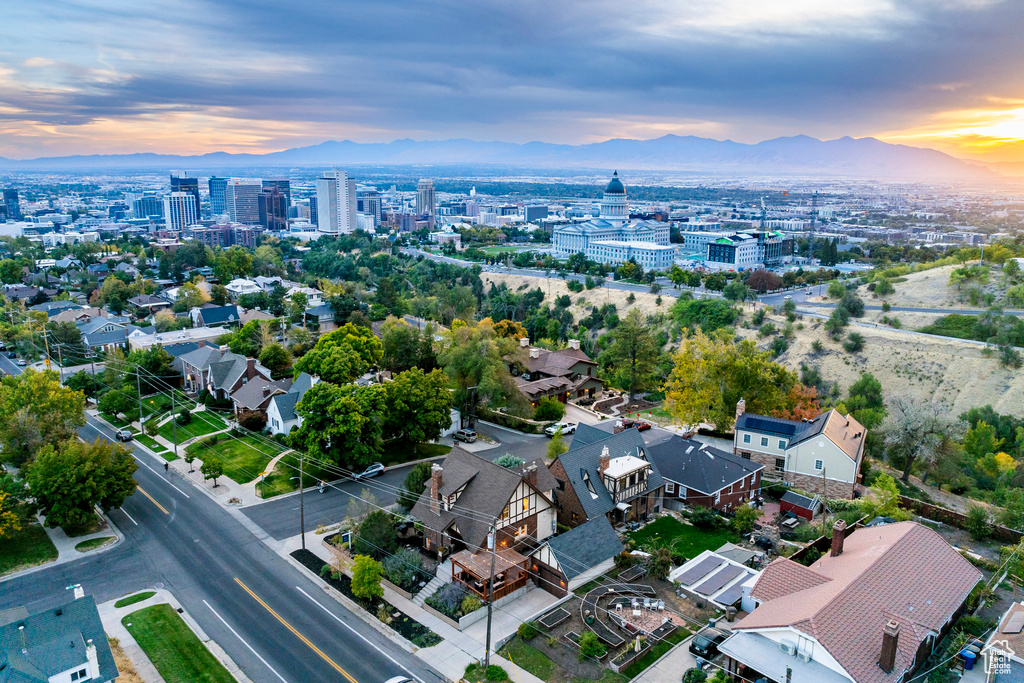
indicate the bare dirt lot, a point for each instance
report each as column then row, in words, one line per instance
column 554, row 287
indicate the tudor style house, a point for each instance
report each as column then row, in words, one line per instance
column 821, row 455
column 606, row 475
column 564, row 374
column 872, row 611
column 698, row 474
column 575, row 557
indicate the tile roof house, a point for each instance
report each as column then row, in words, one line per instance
column 464, row 494
column 698, row 474
column 218, row 371
column 1004, row 650
column 564, row 374
column 281, row 415
column 255, row 395
column 215, row 316
column 66, row 643
column 606, row 475
column 821, row 455
column 575, row 557
column 871, row 611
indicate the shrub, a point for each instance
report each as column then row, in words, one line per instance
column 817, row 346
column 976, row 523
column 853, row 304
column 509, row 461
column 212, row 441
column 778, row 346
column 694, row 675
column 366, row 573
column 661, row 563
column 886, row 307
column 403, row 567
column 470, row 604
column 574, row 286
column 974, row 625
column 496, row 673
column 151, row 428
column 590, row 646
column 759, row 315
column 448, row 600
column 854, row 342
column 704, row 518
column 744, row 519
column 624, row 561
column 252, row 421
column 549, row 409
column 552, row 641
column 376, row 535
column 184, row 417
column 527, row 630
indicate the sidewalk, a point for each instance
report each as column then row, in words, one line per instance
column 671, row 667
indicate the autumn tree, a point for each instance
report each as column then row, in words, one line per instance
column 10, row 520
column 419, row 406
column 37, row 412
column 762, row 281
column 190, row 295
column 634, row 353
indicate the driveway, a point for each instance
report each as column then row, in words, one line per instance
column 671, row 667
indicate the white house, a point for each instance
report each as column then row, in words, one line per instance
column 240, row 286
column 281, row 415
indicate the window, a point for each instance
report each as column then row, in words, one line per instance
column 670, row 487
column 745, row 455
column 780, row 464
column 521, row 531
column 764, row 440
column 819, row 465
column 746, row 438
column 782, row 445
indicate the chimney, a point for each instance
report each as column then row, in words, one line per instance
column 524, row 342
column 741, row 407
column 266, row 390
column 890, row 641
column 574, row 344
column 530, row 475
column 604, row 462
column 534, row 353
column 838, row 537
column 436, row 478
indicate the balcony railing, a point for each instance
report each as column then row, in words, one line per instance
column 631, row 492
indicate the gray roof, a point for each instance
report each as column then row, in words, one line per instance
column 698, row 466
column 794, row 431
column 52, row 308
column 586, row 434
column 118, row 336
column 253, row 393
column 794, row 498
column 286, row 402
column 586, row 546
column 225, row 368
column 97, row 323
column 219, row 314
column 323, row 309
column 587, row 458
column 54, row 641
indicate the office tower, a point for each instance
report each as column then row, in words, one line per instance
column 472, row 208
column 180, row 182
column 336, row 203
column 218, row 193
column 147, row 206
column 282, row 184
column 180, row 211
column 12, row 205
column 426, row 199
column 368, row 204
column 273, row 205
column 313, row 217
column 242, row 200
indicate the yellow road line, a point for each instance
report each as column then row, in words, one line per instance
column 298, row 635
column 143, row 492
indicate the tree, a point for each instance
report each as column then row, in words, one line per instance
column 275, row 358
column 341, row 423
column 977, row 522
column 338, row 364
column 854, row 342
column 413, row 485
column 115, row 402
column 549, row 409
column 1011, row 269
column 745, row 518
column 836, row 290
column 716, row 282
column 404, row 347
column 883, row 287
column 980, row 440
column 557, row 445
column 376, row 535
column 190, row 457
column 884, row 500
column 212, row 469
column 634, row 353
column 10, row 520
column 68, row 483
column 366, row 576
column 736, row 291
column 707, row 314
column 189, row 296
column 914, row 432
column 660, row 563
column 37, row 412
column 471, row 357
column 762, row 281
column 218, row 294
column 419, row 406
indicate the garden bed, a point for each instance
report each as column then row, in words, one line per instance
column 404, row 625
column 655, row 653
column 553, row 618
column 627, row 656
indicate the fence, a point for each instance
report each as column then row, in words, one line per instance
column 957, row 519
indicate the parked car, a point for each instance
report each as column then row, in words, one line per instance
column 12, row 354
column 21, row 362
column 808, row 291
column 123, row 435
column 643, row 425
column 371, row 471
column 3, row 347
column 564, row 427
column 465, row 435
column 705, row 644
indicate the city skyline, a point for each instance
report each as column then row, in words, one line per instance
column 939, row 75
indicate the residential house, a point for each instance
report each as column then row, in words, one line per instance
column 806, row 507
column 564, row 374
column 606, row 475
column 67, row 263
column 255, row 395
column 58, row 645
column 215, row 316
column 698, row 474
column 281, row 415
column 464, row 492
column 1003, row 653
column 871, row 611
column 267, row 284
column 718, row 579
column 140, row 339
column 22, row 293
column 54, row 308
column 105, row 334
column 314, row 297
column 127, row 268
column 98, row 270
column 821, row 455
column 574, row 558
column 248, row 316
column 240, row 286
column 81, row 314
column 323, row 317
column 149, row 303
column 218, row 371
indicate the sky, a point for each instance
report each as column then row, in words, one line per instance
column 190, row 77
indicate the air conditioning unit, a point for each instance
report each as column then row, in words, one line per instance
column 788, row 646
column 804, row 656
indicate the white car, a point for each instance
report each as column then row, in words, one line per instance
column 787, row 297
column 371, row 471
column 564, row 427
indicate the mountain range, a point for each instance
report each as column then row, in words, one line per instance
column 798, row 155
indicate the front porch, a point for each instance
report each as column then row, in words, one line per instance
column 473, row 570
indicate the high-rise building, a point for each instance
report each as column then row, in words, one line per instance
column 368, row 204
column 312, row 210
column 147, row 206
column 336, row 203
column 426, row 198
column 282, row 184
column 180, row 211
column 180, row 182
column 218, row 192
column 12, row 205
column 242, row 200
column 273, row 206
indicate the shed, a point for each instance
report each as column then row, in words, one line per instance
column 801, row 506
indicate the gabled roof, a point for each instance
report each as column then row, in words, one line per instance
column 219, row 314
column 253, row 393
column 286, row 402
column 554, row 363
column 903, row 572
column 698, row 466
column 844, row 432
column 586, row 546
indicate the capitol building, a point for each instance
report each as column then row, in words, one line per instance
column 613, row 239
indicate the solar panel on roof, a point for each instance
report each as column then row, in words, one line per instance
column 731, row 594
column 719, row 579
column 703, row 568
column 1015, row 624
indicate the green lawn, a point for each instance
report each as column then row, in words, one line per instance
column 174, row 649
column 150, row 443
column 29, row 547
column 116, row 421
column 530, row 658
column 655, row 653
column 398, row 452
column 132, row 599
column 285, row 477
column 683, row 538
column 202, row 423
column 155, row 404
column 93, row 543
column 243, row 458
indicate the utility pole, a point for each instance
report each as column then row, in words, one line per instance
column 491, row 544
column 138, row 387
column 60, row 363
column 174, row 423
column 302, row 503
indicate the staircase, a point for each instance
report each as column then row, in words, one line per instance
column 428, row 590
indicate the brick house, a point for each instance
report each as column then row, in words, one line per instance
column 219, row 371
column 698, row 474
column 821, row 455
column 564, row 374
column 604, row 474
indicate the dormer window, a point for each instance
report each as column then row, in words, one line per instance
column 590, row 484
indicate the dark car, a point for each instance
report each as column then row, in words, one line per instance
column 12, row 354
column 705, row 644
column 123, row 435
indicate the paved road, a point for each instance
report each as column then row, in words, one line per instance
column 241, row 592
